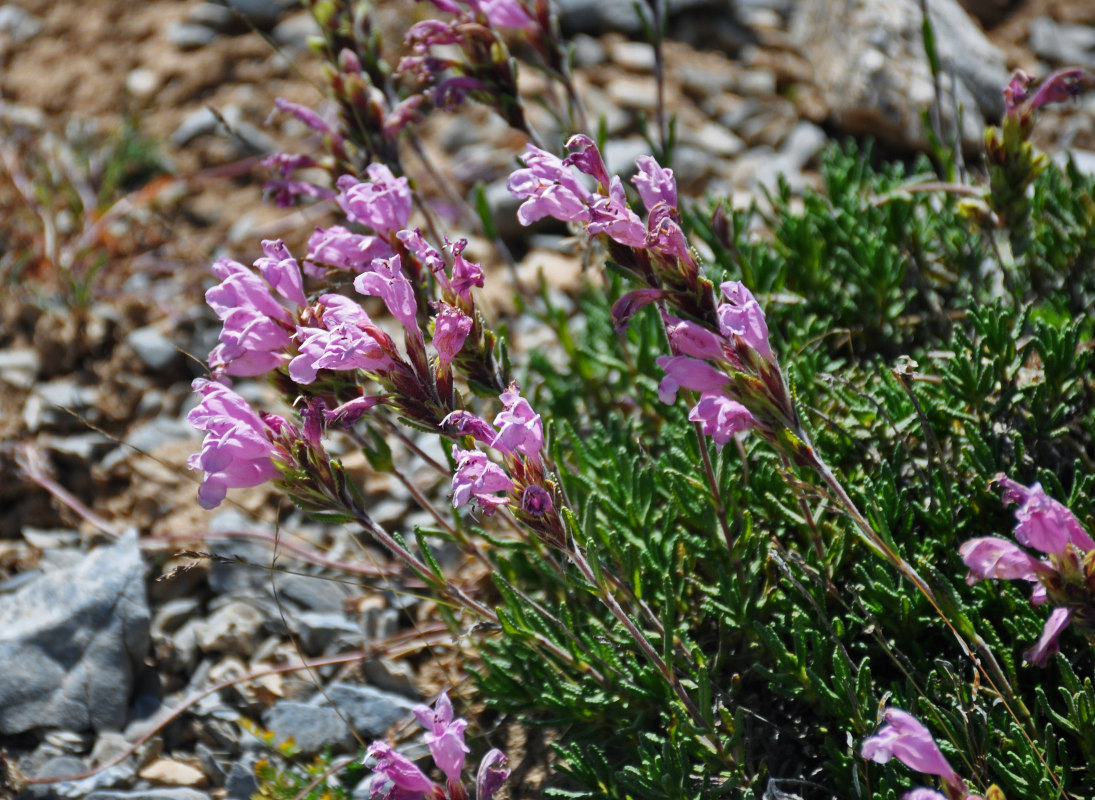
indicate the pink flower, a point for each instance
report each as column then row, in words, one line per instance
column 664, row 234
column 1047, row 643
column 683, row 371
column 465, row 274
column 519, row 427
column 549, row 189
column 504, row 13
column 742, row 316
column 468, row 424
column 346, row 340
column 385, row 279
column 338, row 247
column 384, row 203
column 991, row 557
column 444, row 736
column 395, row 777
column 585, row 157
column 281, row 271
column 1043, row 523
column 655, row 184
column 305, row 115
column 451, row 328
column 351, row 411
column 237, row 450
column 690, row 339
column 906, row 738
column 478, row 478
column 721, row 417
column 631, row 303
column 536, row 500
column 610, row 215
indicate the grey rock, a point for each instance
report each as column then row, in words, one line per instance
column 295, row 31
column 756, row 82
column 250, row 140
column 150, row 436
column 311, row 727
column 46, row 407
column 234, row 628
column 216, row 16
column 152, row 347
column 714, row 138
column 197, row 123
column 1063, row 43
column 238, row 578
column 19, row 366
column 263, row 14
column 802, row 144
column 56, row 767
column 604, row 16
column 187, row 36
column 635, row 56
column 83, row 446
column 588, row 51
column 18, row 24
column 392, row 676
column 503, row 209
column 369, row 710
column 313, row 594
column 241, row 782
column 318, row 630
column 70, row 643
column 871, row 70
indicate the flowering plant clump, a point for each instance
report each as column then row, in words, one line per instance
column 720, row 502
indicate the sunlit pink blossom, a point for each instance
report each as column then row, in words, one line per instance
column 444, row 736
column 478, row 478
column 721, row 417
column 742, row 316
column 385, row 279
column 655, row 183
column 383, row 202
column 991, row 557
column 237, row 450
column 1043, row 523
column 338, row 247
column 451, row 328
column 519, row 427
column 1047, row 643
column 396, row 777
column 689, row 373
column 905, row 738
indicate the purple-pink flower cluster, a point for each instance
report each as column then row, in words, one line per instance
column 396, row 777
column 1047, row 526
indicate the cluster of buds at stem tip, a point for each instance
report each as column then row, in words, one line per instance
column 905, row 738
column 1011, row 158
column 1063, row 579
column 484, row 72
column 396, row 777
column 524, row 480
column 719, row 347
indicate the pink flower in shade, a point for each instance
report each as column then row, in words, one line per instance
column 338, row 247
column 237, row 450
column 477, row 478
column 904, row 737
column 468, row 424
column 1047, row 643
column 536, row 500
column 1043, row 523
column 444, row 736
column 742, row 316
column 385, row 279
column 519, row 427
column 465, row 274
column 425, row 252
column 690, row 339
column 631, row 303
column 991, row 557
column 304, row 114
column 664, row 234
column 585, row 157
column 655, row 184
column 451, row 328
column 548, row 188
column 351, row 411
column 686, row 372
column 491, row 775
column 721, row 417
column 927, row 794
column 396, row 777
column 383, row 203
